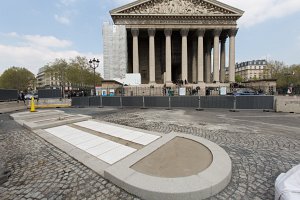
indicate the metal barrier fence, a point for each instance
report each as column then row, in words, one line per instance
column 49, row 93
column 8, row 95
column 252, row 102
column 225, row 102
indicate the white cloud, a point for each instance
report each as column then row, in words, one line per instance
column 36, row 51
column 62, row 19
column 38, row 40
column 67, row 2
column 66, row 10
column 47, row 41
column 258, row 11
column 11, row 34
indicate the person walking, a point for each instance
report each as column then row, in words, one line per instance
column 22, row 97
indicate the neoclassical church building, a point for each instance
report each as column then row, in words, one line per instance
column 171, row 40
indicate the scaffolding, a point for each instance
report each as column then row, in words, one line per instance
column 115, row 57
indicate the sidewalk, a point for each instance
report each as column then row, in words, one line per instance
column 6, row 107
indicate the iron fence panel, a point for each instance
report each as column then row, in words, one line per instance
column 80, row 102
column 111, row 101
column 151, row 101
column 255, row 102
column 132, row 101
column 94, row 101
column 49, row 93
column 184, row 101
column 8, row 95
column 217, row 102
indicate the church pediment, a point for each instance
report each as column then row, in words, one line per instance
column 176, row 7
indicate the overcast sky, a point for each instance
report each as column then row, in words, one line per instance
column 35, row 32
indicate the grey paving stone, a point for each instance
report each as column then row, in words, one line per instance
column 40, row 170
column 259, row 153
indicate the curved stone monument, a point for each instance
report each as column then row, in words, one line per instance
column 177, row 166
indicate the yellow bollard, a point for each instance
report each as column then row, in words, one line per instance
column 32, row 107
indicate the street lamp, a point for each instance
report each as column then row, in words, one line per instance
column 94, row 64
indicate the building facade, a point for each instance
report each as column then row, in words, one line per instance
column 45, row 80
column 179, row 40
column 253, row 70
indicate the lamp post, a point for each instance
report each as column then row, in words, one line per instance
column 94, row 64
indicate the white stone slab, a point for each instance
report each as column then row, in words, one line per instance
column 123, row 133
column 106, row 150
column 102, row 148
column 72, row 136
column 145, row 139
column 83, row 139
column 132, row 136
column 60, row 131
column 116, row 154
column 91, row 143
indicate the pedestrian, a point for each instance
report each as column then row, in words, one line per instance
column 22, row 97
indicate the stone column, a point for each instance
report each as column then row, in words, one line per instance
column 223, row 59
column 168, row 34
column 200, row 64
column 217, row 33
column 135, row 48
column 194, row 70
column 232, row 34
column 208, row 61
column 184, row 61
column 151, row 33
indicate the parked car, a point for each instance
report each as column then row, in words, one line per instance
column 244, row 91
column 29, row 95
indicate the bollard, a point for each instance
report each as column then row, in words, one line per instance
column 234, row 105
column 32, row 107
column 101, row 103
column 199, row 106
column 169, row 108
column 121, row 104
column 144, row 107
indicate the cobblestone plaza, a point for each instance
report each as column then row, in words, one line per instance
column 261, row 146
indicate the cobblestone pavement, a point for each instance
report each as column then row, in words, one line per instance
column 259, row 152
column 258, row 157
column 41, row 171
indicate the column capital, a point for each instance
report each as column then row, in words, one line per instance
column 151, row 31
column 200, row 32
column 168, row 32
column 135, row 32
column 184, row 32
column 217, row 32
column 233, row 32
